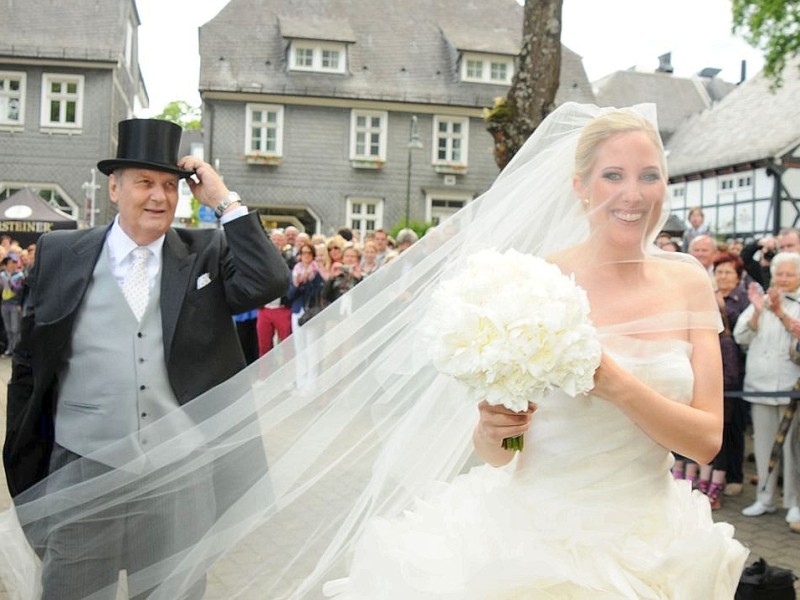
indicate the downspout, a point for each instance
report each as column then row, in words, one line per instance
column 208, row 131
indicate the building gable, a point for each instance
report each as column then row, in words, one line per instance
column 399, row 51
column 753, row 123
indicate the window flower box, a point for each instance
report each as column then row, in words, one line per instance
column 450, row 169
column 256, row 158
column 367, row 163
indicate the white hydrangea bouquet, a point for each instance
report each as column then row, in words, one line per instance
column 512, row 327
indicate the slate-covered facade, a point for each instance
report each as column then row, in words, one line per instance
column 308, row 107
column 68, row 73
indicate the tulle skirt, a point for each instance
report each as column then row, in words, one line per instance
column 487, row 537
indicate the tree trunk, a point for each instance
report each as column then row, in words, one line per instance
column 533, row 90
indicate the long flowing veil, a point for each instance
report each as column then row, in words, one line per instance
column 294, row 475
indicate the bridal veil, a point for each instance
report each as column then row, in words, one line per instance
column 295, row 475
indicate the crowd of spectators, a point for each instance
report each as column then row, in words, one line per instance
column 757, row 285
column 323, row 269
column 15, row 263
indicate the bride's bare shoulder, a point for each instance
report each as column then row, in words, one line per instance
column 683, row 269
column 566, row 259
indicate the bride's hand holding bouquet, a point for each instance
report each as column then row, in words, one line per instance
column 496, row 424
column 512, row 327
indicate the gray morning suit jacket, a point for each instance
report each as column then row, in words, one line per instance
column 200, row 341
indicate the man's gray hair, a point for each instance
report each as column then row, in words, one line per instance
column 407, row 236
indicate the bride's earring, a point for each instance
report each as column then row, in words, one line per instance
column 585, row 202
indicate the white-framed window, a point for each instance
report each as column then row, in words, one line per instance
column 364, row 214
column 264, row 135
column 62, row 100
column 368, row 131
column 744, row 181
column 303, row 58
column 678, row 192
column 442, row 205
column 322, row 57
column 450, row 145
column 331, row 59
column 12, row 98
column 487, row 68
column 726, row 184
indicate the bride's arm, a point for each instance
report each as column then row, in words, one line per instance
column 693, row 430
column 495, row 424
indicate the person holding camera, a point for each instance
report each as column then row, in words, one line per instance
column 343, row 276
column 757, row 256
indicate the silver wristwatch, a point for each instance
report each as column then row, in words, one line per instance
column 232, row 198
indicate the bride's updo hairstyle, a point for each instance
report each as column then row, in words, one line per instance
column 605, row 126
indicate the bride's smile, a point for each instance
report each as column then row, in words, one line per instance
column 627, row 216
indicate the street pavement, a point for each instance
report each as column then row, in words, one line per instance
column 766, row 537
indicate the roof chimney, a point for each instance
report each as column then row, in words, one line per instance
column 709, row 72
column 665, row 63
column 743, row 73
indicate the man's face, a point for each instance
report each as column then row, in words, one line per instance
column 278, row 238
column 380, row 241
column 146, row 200
column 703, row 250
column 291, row 235
column 789, row 242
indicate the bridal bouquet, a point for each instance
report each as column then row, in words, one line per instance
column 512, row 327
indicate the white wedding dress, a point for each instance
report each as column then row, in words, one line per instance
column 588, row 510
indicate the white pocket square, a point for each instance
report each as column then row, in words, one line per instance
column 203, row 280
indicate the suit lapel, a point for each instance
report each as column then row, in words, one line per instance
column 176, row 269
column 73, row 270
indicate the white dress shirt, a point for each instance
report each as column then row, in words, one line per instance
column 121, row 247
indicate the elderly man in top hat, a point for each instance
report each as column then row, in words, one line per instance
column 124, row 325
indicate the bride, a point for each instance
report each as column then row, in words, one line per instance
column 366, row 492
column 589, row 509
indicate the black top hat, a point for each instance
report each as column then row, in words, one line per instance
column 148, row 144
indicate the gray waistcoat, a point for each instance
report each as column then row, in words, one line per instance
column 115, row 381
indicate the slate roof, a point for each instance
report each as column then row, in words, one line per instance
column 676, row 97
column 401, row 51
column 749, row 124
column 73, row 30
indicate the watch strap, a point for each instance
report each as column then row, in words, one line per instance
column 231, row 199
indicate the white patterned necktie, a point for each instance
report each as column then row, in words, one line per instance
column 136, row 286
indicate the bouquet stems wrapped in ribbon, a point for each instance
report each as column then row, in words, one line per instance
column 513, row 327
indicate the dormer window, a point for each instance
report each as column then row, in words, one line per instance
column 487, row 68
column 316, row 56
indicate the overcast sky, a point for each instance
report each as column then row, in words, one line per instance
column 610, row 35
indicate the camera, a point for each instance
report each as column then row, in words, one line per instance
column 769, row 254
column 345, row 268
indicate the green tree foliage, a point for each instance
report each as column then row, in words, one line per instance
column 773, row 26
column 182, row 113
